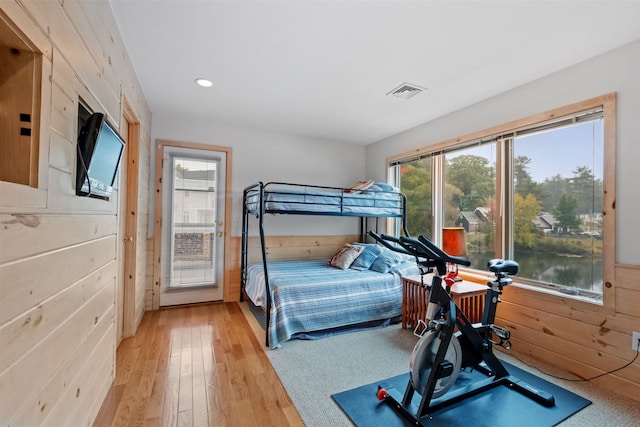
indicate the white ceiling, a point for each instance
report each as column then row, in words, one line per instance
column 323, row 68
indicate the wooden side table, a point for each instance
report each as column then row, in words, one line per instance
column 468, row 296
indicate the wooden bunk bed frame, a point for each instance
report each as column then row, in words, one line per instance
column 261, row 198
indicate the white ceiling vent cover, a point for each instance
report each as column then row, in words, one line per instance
column 406, row 90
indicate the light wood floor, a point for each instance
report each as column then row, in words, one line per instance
column 195, row 366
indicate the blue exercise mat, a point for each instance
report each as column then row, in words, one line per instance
column 498, row 407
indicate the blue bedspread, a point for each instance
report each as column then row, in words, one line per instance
column 304, row 199
column 311, row 295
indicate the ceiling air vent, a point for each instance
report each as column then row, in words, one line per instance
column 406, row 90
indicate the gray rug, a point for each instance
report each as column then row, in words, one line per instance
column 311, row 371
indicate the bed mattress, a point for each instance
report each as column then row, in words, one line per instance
column 311, row 296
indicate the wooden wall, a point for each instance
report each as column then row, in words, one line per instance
column 580, row 337
column 59, row 259
column 283, row 248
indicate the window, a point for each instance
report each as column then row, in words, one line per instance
column 557, row 205
column 469, row 199
column 533, row 193
column 415, row 182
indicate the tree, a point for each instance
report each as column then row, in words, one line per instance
column 416, row 185
column 553, row 188
column 566, row 213
column 522, row 181
column 587, row 190
column 525, row 211
column 474, row 177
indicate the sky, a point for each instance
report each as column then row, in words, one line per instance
column 562, row 150
column 557, row 151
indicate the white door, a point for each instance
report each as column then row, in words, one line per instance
column 193, row 226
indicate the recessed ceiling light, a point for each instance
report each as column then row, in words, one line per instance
column 204, row 82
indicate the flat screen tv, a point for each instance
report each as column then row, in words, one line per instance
column 99, row 152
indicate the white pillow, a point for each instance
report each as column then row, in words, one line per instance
column 345, row 256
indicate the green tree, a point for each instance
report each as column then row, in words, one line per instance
column 474, row 177
column 522, row 181
column 525, row 211
column 553, row 188
column 566, row 213
column 587, row 190
column 415, row 183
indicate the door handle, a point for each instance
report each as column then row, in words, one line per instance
column 220, row 233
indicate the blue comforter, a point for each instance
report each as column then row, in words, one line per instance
column 312, row 296
column 368, row 203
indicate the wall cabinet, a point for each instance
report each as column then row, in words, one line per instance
column 20, row 87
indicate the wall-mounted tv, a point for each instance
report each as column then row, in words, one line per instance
column 99, row 152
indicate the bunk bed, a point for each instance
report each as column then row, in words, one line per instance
column 301, row 297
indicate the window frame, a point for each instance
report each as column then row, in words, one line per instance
column 608, row 105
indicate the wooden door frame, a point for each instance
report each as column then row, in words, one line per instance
column 130, row 322
column 157, row 226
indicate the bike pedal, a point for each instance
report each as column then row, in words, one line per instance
column 501, row 332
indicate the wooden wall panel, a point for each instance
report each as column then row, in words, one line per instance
column 628, row 301
column 53, row 16
column 57, row 346
column 64, row 112
column 616, row 382
column 580, row 337
column 100, row 45
column 602, row 349
column 298, row 247
column 58, row 256
column 83, row 385
column 31, row 281
column 28, row 235
column 627, row 277
column 62, row 184
column 29, row 328
column 62, row 154
column 34, row 411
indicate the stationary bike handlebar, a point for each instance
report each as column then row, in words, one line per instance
column 420, row 247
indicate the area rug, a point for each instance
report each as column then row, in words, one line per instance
column 499, row 407
column 313, row 371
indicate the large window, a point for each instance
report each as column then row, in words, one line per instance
column 533, row 193
column 557, row 205
column 469, row 199
column 415, row 182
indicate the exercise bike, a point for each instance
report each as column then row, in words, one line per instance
column 441, row 353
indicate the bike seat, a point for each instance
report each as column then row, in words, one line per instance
column 501, row 266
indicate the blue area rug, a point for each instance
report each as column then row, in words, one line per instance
column 498, row 407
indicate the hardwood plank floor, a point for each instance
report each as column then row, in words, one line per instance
column 195, row 366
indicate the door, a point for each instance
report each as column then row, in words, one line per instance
column 126, row 318
column 193, row 225
column 122, row 236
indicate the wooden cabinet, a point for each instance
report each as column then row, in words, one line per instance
column 468, row 296
column 20, row 76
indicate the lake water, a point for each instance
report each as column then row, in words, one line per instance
column 578, row 272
